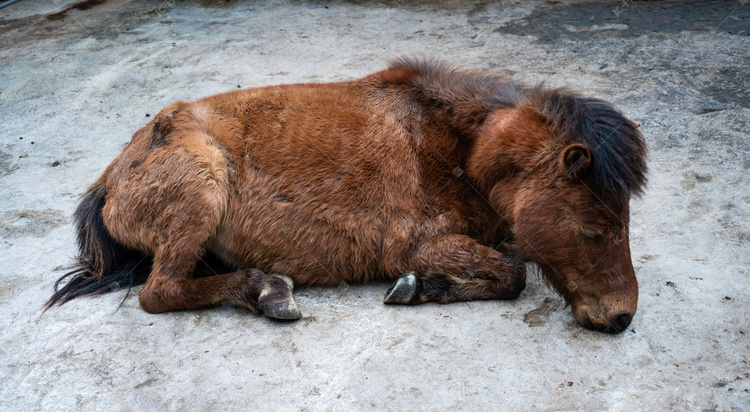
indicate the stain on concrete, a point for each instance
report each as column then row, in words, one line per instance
column 590, row 21
column 8, row 285
column 539, row 316
column 692, row 178
column 104, row 20
column 209, row 3
column 7, row 166
column 729, row 86
column 449, row 5
column 724, row 382
column 711, row 107
column 36, row 223
column 147, row 382
column 647, row 257
column 81, row 5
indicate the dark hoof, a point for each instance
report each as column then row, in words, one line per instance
column 403, row 291
column 289, row 282
column 281, row 304
column 285, row 309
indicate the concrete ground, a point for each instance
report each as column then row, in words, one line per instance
column 76, row 80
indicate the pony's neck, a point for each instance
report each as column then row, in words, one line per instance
column 460, row 99
column 506, row 148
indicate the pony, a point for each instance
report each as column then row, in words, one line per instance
column 445, row 181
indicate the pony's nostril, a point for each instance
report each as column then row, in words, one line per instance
column 621, row 321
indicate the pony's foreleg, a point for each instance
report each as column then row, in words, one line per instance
column 454, row 268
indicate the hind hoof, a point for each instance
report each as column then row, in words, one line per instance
column 403, row 291
column 285, row 309
column 289, row 282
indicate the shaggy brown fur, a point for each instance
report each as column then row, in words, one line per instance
column 416, row 171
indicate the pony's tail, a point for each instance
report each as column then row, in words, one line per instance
column 103, row 265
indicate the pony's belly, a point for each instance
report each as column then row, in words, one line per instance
column 310, row 238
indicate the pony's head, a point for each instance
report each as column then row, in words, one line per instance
column 560, row 168
column 563, row 168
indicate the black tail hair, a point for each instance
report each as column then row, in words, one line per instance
column 103, row 265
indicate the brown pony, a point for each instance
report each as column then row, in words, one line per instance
column 443, row 179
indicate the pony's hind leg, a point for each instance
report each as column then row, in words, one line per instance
column 454, row 268
column 170, row 204
column 270, row 295
column 172, row 284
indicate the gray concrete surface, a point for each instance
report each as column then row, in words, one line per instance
column 77, row 81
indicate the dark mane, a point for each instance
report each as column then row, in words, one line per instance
column 618, row 148
column 466, row 97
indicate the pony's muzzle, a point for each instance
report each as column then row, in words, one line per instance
column 616, row 324
column 620, row 322
column 591, row 314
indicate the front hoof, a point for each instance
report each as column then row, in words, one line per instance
column 403, row 291
column 285, row 309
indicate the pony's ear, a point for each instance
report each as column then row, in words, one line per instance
column 576, row 159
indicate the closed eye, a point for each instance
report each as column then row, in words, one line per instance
column 591, row 232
